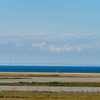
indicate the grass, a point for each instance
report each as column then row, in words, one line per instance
column 75, row 84
column 31, row 95
column 48, row 74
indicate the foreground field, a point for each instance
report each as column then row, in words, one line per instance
column 44, row 96
column 57, row 98
column 47, row 74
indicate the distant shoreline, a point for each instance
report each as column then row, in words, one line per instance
column 47, row 74
column 55, row 65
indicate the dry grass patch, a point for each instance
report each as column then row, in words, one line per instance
column 54, row 96
column 48, row 74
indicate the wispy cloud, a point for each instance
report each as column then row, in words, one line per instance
column 41, row 45
column 67, row 47
column 54, row 42
column 19, row 45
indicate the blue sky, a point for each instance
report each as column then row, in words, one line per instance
column 50, row 31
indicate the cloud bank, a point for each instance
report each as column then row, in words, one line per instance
column 52, row 43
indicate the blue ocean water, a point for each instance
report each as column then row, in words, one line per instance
column 60, row 69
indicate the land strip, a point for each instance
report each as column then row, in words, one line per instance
column 73, row 84
column 48, row 74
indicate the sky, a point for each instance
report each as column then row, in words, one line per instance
column 50, row 32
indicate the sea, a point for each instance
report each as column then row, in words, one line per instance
column 50, row 69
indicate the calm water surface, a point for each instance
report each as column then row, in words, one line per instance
column 60, row 69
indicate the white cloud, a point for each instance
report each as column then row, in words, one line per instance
column 58, row 49
column 63, row 35
column 57, row 36
column 19, row 45
column 69, row 48
column 54, row 42
column 54, row 48
column 66, row 45
column 51, row 48
column 34, row 45
column 84, row 46
column 79, row 49
column 41, row 45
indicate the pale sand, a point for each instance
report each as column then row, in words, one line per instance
column 47, row 74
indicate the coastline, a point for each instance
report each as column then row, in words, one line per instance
column 47, row 74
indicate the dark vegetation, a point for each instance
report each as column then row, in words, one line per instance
column 75, row 84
